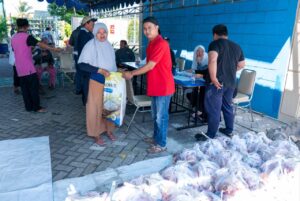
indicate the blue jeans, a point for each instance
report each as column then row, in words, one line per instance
column 217, row 100
column 160, row 115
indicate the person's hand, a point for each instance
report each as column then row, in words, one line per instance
column 217, row 84
column 127, row 75
column 104, row 72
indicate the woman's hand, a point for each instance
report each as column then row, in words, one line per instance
column 104, row 72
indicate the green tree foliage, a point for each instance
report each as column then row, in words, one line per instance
column 64, row 13
column 68, row 30
column 23, row 9
column 133, row 31
column 3, row 29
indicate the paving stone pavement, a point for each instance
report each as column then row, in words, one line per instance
column 74, row 154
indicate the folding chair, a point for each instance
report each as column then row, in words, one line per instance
column 245, row 90
column 140, row 101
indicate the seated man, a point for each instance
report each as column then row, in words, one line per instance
column 124, row 54
column 43, row 61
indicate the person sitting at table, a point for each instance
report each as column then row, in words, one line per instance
column 43, row 61
column 199, row 65
column 97, row 59
column 124, row 54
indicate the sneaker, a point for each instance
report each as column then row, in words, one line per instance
column 225, row 132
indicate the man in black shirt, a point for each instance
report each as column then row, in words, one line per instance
column 85, row 34
column 225, row 58
column 74, row 43
column 124, row 54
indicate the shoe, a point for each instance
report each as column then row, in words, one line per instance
column 225, row 132
column 201, row 136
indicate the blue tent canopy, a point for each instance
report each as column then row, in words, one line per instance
column 77, row 4
column 93, row 4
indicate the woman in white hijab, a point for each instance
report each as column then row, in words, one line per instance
column 200, row 58
column 98, row 59
column 200, row 64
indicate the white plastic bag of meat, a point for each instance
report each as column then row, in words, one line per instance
column 229, row 182
column 181, row 172
column 253, row 160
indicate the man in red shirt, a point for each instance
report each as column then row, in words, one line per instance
column 160, row 82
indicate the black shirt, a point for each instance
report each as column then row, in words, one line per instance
column 229, row 54
column 74, row 38
column 124, row 55
column 31, row 41
column 83, row 37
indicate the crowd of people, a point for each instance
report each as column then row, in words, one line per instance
column 95, row 59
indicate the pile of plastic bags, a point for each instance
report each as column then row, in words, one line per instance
column 248, row 166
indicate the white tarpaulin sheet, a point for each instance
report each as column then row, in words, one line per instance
column 25, row 170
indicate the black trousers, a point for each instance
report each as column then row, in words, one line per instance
column 30, row 91
column 16, row 78
column 193, row 97
column 85, row 79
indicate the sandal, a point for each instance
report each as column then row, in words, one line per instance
column 111, row 136
column 149, row 140
column 99, row 141
column 157, row 149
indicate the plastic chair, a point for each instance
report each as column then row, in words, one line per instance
column 140, row 101
column 245, row 90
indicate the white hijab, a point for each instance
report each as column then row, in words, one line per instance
column 204, row 62
column 99, row 54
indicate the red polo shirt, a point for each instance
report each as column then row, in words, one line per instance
column 160, row 81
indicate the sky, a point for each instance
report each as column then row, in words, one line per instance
column 11, row 6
